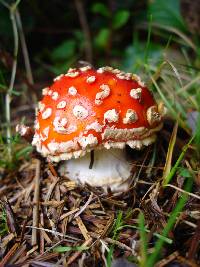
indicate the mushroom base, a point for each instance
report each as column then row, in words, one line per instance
column 110, row 170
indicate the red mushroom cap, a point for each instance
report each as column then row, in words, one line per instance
column 87, row 109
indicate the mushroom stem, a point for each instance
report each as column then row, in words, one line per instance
column 110, row 169
column 91, row 159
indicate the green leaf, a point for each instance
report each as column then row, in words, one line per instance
column 101, row 9
column 184, row 172
column 64, row 51
column 102, row 38
column 24, row 152
column 62, row 249
column 134, row 57
column 166, row 13
column 5, row 24
column 15, row 92
column 120, row 18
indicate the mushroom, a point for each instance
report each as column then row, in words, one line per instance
column 101, row 110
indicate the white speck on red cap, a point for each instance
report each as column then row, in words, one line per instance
column 94, row 126
column 111, row 115
column 45, row 134
column 88, row 141
column 60, row 125
column 50, row 92
column 47, row 113
column 72, row 74
column 86, row 68
column 36, row 125
column 103, row 69
column 103, row 94
column 136, row 93
column 153, row 115
column 80, row 112
column 61, row 104
column 45, row 91
column 91, row 79
column 41, row 106
column 58, row 121
column 131, row 116
column 137, row 78
column 72, row 91
column 58, row 77
column 55, row 96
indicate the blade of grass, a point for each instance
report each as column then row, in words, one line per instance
column 175, row 167
column 187, row 40
column 168, row 162
column 62, row 249
column 165, row 239
column 148, row 40
column 152, row 161
column 187, row 96
column 143, row 240
column 3, row 222
column 169, row 106
column 188, row 85
column 156, row 74
column 197, row 132
column 167, row 45
column 189, row 64
column 116, row 227
column 158, row 70
column 170, row 223
column 175, row 71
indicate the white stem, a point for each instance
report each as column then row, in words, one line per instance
column 110, row 169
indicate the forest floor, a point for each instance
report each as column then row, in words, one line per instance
column 48, row 220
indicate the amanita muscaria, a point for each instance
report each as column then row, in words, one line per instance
column 99, row 110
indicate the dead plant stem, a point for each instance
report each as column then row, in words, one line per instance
column 24, row 48
column 36, row 203
column 12, row 10
column 85, row 28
